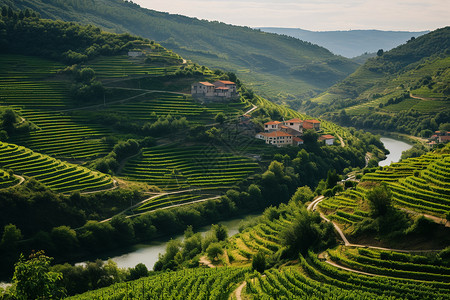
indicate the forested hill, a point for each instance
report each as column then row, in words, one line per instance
column 268, row 62
column 405, row 89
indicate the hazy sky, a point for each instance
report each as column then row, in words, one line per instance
column 411, row 15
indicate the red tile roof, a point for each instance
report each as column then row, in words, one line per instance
column 312, row 121
column 272, row 123
column 226, row 82
column 298, row 140
column 206, row 83
column 295, row 120
column 326, row 137
column 275, row 134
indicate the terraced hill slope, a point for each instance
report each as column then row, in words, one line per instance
column 55, row 174
column 268, row 63
column 405, row 89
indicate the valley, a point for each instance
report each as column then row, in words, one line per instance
column 107, row 144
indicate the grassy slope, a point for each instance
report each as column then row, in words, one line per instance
column 267, row 62
column 419, row 68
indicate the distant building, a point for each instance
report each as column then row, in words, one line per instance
column 295, row 124
column 327, row 139
column 135, row 53
column 439, row 137
column 297, row 141
column 277, row 138
column 218, row 91
column 272, row 126
column 311, row 124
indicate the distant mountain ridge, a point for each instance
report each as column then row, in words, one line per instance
column 280, row 68
column 349, row 43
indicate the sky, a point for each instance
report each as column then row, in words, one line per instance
column 318, row 15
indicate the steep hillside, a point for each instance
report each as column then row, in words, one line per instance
column 278, row 67
column 349, row 43
column 405, row 89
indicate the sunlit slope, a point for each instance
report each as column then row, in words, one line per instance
column 55, row 174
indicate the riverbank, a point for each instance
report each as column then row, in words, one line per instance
column 395, row 147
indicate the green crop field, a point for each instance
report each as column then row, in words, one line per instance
column 186, row 284
column 149, row 107
column 421, row 184
column 172, row 167
column 55, row 174
column 32, row 82
column 6, row 180
column 63, row 136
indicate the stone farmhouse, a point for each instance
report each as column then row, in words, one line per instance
column 439, row 137
column 218, row 91
column 327, row 139
column 286, row 133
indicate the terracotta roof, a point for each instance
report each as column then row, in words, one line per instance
column 326, row 137
column 275, row 134
column 444, row 138
column 312, row 121
column 297, row 139
column 295, row 120
column 206, row 83
column 284, row 127
column 226, row 82
column 272, row 123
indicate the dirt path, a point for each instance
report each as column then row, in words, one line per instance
column 422, row 98
column 238, row 291
column 21, row 180
column 351, row 270
column 312, row 207
column 435, row 219
column 205, row 261
column 251, row 110
column 342, row 140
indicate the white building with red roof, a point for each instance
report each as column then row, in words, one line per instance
column 328, row 139
column 272, row 126
column 277, row 138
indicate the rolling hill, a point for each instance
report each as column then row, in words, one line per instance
column 404, row 89
column 351, row 43
column 278, row 67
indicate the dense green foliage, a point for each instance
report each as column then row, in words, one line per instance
column 404, row 90
column 299, row 69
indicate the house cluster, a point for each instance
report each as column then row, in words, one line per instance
column 218, row 91
column 290, row 132
column 439, row 137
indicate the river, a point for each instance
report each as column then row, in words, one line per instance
column 395, row 147
column 148, row 253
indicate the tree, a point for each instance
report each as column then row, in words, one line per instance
column 220, row 231
column 11, row 235
column 303, row 195
column 64, row 238
column 332, row 178
column 220, row 118
column 140, row 270
column 214, row 250
column 379, row 198
column 259, row 262
column 34, row 280
column 380, row 52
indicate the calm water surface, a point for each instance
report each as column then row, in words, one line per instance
column 148, row 253
column 395, row 147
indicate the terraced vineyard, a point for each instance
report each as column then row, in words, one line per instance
column 55, row 174
column 172, row 167
column 31, row 82
column 123, row 66
column 149, row 107
column 63, row 136
column 421, row 184
column 6, row 180
column 215, row 283
column 165, row 200
column 316, row 279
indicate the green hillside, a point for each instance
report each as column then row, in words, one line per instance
column 405, row 89
column 278, row 67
